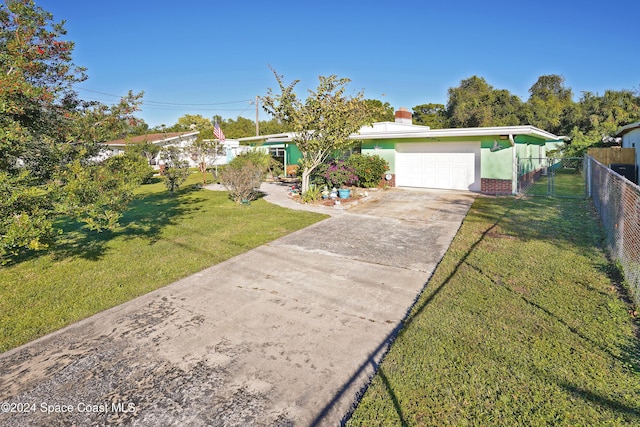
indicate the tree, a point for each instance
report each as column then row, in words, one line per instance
column 469, row 104
column 205, row 152
column 548, row 103
column 147, row 150
column 192, row 122
column 476, row 103
column 595, row 119
column 99, row 193
column 323, row 123
column 432, row 115
column 176, row 170
column 273, row 126
column 508, row 109
column 47, row 134
column 239, row 128
column 381, row 112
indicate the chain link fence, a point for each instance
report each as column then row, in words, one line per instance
column 552, row 177
column 617, row 201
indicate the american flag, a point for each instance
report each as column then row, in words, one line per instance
column 218, row 132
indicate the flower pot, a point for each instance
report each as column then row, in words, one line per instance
column 344, row 193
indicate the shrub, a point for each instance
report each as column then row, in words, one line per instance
column 260, row 159
column 336, row 173
column 242, row 180
column 312, row 194
column 369, row 169
column 176, row 170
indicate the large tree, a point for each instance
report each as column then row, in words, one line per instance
column 48, row 136
column 595, row 119
column 323, row 122
column 383, row 112
column 432, row 115
column 470, row 104
column 549, row 102
column 476, row 103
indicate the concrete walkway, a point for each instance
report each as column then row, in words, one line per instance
column 285, row 334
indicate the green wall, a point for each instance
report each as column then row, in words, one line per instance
column 385, row 149
column 293, row 154
column 496, row 164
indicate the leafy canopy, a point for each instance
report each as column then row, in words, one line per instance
column 323, row 122
column 49, row 138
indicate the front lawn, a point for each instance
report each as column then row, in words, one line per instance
column 163, row 238
column 521, row 324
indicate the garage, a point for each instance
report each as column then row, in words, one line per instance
column 446, row 165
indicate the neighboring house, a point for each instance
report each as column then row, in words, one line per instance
column 231, row 149
column 483, row 159
column 164, row 139
column 179, row 139
column 630, row 135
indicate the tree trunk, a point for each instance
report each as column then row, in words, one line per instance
column 203, row 169
column 306, row 173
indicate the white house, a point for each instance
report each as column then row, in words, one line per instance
column 178, row 139
column 630, row 135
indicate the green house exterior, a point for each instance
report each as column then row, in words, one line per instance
column 488, row 160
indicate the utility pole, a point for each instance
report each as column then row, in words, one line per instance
column 257, row 123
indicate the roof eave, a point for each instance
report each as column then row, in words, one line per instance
column 462, row 132
column 627, row 128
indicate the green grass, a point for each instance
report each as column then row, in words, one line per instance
column 566, row 182
column 521, row 324
column 163, row 238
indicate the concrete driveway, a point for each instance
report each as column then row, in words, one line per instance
column 286, row 334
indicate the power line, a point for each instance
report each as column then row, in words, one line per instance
column 161, row 103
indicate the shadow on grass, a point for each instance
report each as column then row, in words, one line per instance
column 146, row 217
column 383, row 348
column 597, row 399
column 555, row 317
column 552, row 222
column 394, row 399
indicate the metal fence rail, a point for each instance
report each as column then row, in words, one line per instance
column 552, row 177
column 617, row 201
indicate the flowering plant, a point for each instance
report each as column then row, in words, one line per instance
column 338, row 173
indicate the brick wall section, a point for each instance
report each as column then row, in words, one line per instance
column 495, row 187
column 527, row 179
column 384, row 183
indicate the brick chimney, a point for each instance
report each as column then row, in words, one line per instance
column 404, row 116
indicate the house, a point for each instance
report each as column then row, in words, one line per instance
column 484, row 159
column 179, row 139
column 163, row 139
column 630, row 135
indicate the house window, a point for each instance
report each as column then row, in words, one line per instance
column 276, row 152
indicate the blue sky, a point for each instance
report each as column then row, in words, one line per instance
column 212, row 57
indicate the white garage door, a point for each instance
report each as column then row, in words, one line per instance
column 448, row 165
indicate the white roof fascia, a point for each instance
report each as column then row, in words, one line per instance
column 627, row 128
column 275, row 137
column 392, row 127
column 184, row 135
column 460, row 132
column 417, row 131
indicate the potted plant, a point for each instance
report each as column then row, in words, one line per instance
column 344, row 193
